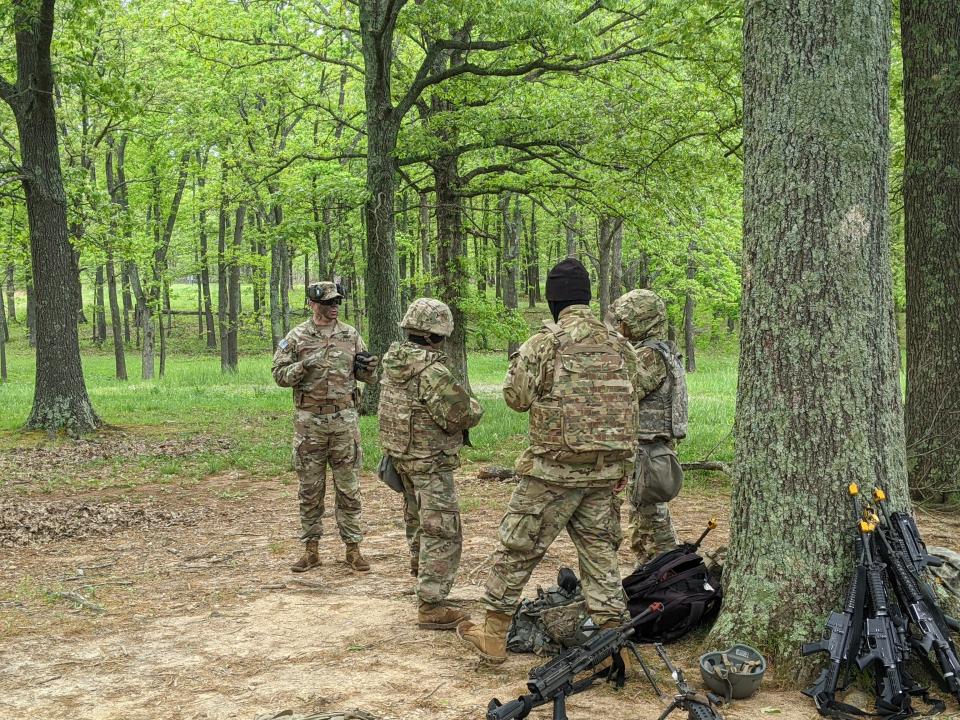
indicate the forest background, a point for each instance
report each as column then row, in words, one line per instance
column 218, row 156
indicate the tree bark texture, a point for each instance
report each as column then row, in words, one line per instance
column 60, row 397
column 99, row 308
column 818, row 399
column 931, row 86
column 120, row 360
column 512, row 221
column 233, row 324
column 377, row 22
column 207, row 299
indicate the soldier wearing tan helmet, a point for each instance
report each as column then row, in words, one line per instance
column 641, row 317
column 322, row 359
column 423, row 414
column 576, row 379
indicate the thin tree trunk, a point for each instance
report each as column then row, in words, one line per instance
column 511, row 256
column 818, row 393
column 207, row 299
column 931, row 82
column 99, row 310
column 571, row 227
column 616, row 262
column 11, row 296
column 120, row 360
column 127, row 302
column 146, row 324
column 689, row 339
column 234, row 319
column 425, row 267
column 4, row 337
column 223, row 291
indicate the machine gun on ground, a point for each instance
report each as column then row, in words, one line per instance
column 555, row 681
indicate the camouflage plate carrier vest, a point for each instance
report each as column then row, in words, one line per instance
column 663, row 413
column 406, row 429
column 590, row 407
column 333, row 383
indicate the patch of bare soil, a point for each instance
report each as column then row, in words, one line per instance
column 52, row 459
column 206, row 620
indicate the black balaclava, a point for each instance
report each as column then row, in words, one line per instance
column 568, row 283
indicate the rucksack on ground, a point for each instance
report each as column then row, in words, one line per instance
column 690, row 594
column 555, row 619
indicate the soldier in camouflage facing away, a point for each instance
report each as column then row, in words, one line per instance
column 641, row 317
column 322, row 359
column 576, row 378
column 424, row 414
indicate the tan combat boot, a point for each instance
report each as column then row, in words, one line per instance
column 437, row 616
column 489, row 640
column 310, row 559
column 625, row 654
column 355, row 559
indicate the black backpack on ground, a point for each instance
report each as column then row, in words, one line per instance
column 691, row 596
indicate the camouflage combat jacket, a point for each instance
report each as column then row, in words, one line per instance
column 610, row 407
column 654, row 390
column 423, row 409
column 329, row 387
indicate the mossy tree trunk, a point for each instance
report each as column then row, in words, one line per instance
column 931, row 86
column 60, row 397
column 818, row 400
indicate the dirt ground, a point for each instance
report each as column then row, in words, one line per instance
column 182, row 606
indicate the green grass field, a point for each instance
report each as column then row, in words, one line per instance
column 255, row 415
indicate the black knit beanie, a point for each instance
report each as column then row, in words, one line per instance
column 569, row 281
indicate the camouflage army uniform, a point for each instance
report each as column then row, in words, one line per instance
column 423, row 413
column 644, row 315
column 563, row 487
column 326, row 422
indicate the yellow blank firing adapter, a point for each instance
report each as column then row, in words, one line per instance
column 853, row 489
column 866, row 527
column 712, row 523
column 879, row 495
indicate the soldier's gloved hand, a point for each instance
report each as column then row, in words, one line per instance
column 365, row 362
column 313, row 360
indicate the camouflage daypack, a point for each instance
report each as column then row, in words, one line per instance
column 670, row 399
column 554, row 620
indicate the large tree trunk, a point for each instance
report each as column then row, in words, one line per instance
column 511, row 256
column 120, row 360
column 383, row 306
column 818, row 397
column 60, row 397
column 931, row 84
column 452, row 260
column 31, row 314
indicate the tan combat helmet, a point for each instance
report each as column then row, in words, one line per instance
column 325, row 290
column 643, row 313
column 427, row 316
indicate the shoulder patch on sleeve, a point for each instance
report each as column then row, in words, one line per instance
column 283, row 344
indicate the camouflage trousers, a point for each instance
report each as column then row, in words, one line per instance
column 431, row 513
column 536, row 514
column 651, row 531
column 333, row 440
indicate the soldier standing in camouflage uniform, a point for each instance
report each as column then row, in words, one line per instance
column 641, row 317
column 576, row 378
column 424, row 413
column 322, row 359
